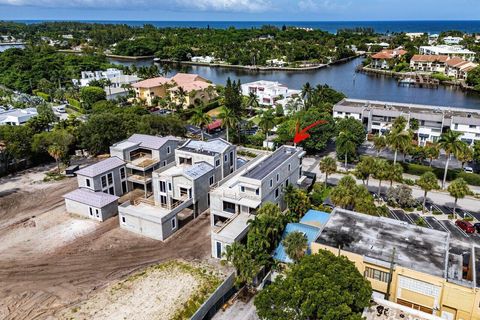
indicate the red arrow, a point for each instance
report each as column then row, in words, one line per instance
column 302, row 135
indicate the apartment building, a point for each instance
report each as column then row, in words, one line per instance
column 447, row 50
column 180, row 189
column 412, row 266
column 268, row 92
column 99, row 187
column 429, row 63
column 383, row 59
column 459, row 68
column 236, row 199
column 378, row 117
column 144, row 154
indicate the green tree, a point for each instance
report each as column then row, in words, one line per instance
column 364, row 169
column 458, row 189
column 296, row 245
column 321, row 286
column 90, row 95
column 379, row 143
column 465, row 155
column 450, row 143
column 200, row 119
column 245, row 264
column 297, row 201
column 267, row 122
column 380, row 173
column 432, row 152
column 56, row 153
column 229, row 119
column 345, row 146
column 394, row 173
column 427, row 181
column 328, row 165
column 398, row 140
column 355, row 127
column 344, row 194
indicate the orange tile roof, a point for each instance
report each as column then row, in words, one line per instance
column 429, row 58
column 389, row 54
column 188, row 82
column 151, row 83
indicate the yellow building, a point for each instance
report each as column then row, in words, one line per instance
column 183, row 88
column 429, row 271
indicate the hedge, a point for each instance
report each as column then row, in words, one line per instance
column 74, row 103
column 471, row 178
column 416, row 169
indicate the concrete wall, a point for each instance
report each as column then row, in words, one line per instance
column 96, row 182
column 84, row 210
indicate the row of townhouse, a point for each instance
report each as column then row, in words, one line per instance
column 453, row 67
column 384, row 59
column 378, row 117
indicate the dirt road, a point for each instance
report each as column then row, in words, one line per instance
column 41, row 274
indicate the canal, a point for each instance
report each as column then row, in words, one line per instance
column 342, row 77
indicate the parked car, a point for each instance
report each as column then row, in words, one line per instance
column 477, row 226
column 465, row 226
column 468, row 169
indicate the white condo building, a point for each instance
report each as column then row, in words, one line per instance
column 451, row 51
column 269, row 92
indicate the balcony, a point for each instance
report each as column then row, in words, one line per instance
column 142, row 161
column 141, row 179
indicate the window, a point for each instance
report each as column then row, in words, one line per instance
column 231, row 158
column 299, row 173
column 212, row 179
column 271, row 183
column 289, row 167
column 286, row 183
column 104, row 181
column 163, row 200
column 472, row 126
column 163, row 186
column 110, row 178
column 276, row 193
column 111, row 191
column 456, row 126
column 87, row 181
column 257, row 192
column 242, row 188
column 91, row 211
column 376, row 274
column 174, row 223
column 123, row 219
column 218, row 246
column 122, row 173
column 217, row 162
column 164, row 163
column 169, row 186
column 168, row 150
column 96, row 213
column 228, row 207
column 124, row 187
column 183, row 192
column 226, row 157
column 278, row 177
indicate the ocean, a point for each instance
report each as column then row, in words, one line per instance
column 330, row 26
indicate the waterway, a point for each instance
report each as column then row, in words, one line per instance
column 342, row 77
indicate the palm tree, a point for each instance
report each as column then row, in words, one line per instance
column 380, row 173
column 465, row 155
column 200, row 119
column 364, row 169
column 450, row 143
column 432, row 152
column 267, row 121
column 229, row 119
column 379, row 143
column 56, row 153
column 306, row 93
column 181, row 96
column 108, row 83
column 428, row 181
column 252, row 102
column 458, row 189
column 295, row 244
column 344, row 194
column 394, row 173
column 328, row 165
column 398, row 140
column 345, row 144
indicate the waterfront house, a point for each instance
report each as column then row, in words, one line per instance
column 459, row 68
column 268, row 92
column 183, row 89
column 144, row 154
column 237, row 198
column 180, row 189
column 451, row 51
column 452, row 40
column 429, row 63
column 203, row 59
column 386, row 59
column 378, row 117
column 16, row 117
column 382, row 45
column 416, row 267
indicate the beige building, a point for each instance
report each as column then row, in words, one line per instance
column 183, row 88
column 413, row 266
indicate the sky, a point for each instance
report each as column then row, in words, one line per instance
column 240, row 10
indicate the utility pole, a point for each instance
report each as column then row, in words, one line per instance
column 390, row 274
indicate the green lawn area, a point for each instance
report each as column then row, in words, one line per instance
column 214, row 112
column 255, row 120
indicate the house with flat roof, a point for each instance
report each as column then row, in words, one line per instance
column 269, row 92
column 17, row 117
column 410, row 265
column 378, row 117
column 237, row 198
column 180, row 189
column 448, row 50
column 143, row 154
column 183, row 88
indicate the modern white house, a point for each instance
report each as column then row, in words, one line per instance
column 268, row 92
column 447, row 50
column 237, row 198
column 180, row 189
column 16, row 117
column 378, row 117
column 99, row 187
column 452, row 40
column 203, row 59
column 144, row 154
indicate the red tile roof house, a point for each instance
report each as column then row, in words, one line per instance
column 459, row 68
column 383, row 59
column 429, row 63
column 183, row 89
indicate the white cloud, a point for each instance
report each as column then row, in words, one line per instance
column 186, row 5
column 321, row 5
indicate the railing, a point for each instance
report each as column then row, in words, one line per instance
column 143, row 160
column 148, row 201
column 138, row 177
column 217, row 229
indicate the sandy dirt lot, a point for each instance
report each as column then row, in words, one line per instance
column 50, row 260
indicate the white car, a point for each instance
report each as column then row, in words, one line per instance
column 468, row 169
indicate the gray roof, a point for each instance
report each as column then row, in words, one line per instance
column 466, row 120
column 421, row 249
column 91, row 198
column 198, row 169
column 150, row 142
column 101, row 167
column 211, row 146
column 272, row 162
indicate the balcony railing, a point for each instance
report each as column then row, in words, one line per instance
column 143, row 160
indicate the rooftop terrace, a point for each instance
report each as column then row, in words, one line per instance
column 269, row 164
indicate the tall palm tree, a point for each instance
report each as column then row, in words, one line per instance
column 458, row 189
column 252, row 102
column 306, row 93
column 465, row 155
column 267, row 122
column 379, row 143
column 229, row 119
column 428, row 181
column 328, row 165
column 346, row 144
column 432, row 152
column 380, row 173
column 450, row 143
column 56, row 153
column 108, row 83
column 398, row 140
column 181, row 96
column 200, row 119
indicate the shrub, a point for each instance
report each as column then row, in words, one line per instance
column 409, row 182
column 74, row 103
column 247, row 154
column 471, row 178
column 43, row 95
column 420, row 222
column 415, row 169
column 468, row 218
column 436, row 213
